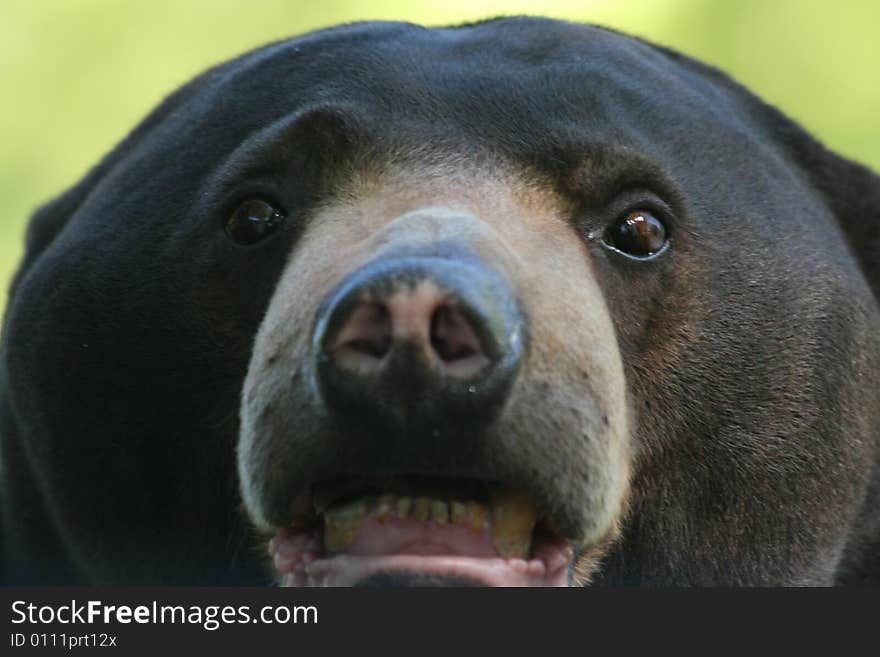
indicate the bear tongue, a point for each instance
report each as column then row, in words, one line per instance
column 384, row 545
column 391, row 535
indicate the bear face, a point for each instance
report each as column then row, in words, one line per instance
column 519, row 302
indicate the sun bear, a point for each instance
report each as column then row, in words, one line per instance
column 521, row 302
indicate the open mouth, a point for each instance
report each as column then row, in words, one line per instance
column 419, row 531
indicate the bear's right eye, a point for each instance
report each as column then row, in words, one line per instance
column 252, row 221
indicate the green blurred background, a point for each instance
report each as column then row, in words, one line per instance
column 75, row 75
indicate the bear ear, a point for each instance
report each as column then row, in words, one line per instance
column 49, row 219
column 852, row 192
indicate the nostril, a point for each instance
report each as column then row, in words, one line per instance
column 366, row 334
column 406, row 345
column 453, row 338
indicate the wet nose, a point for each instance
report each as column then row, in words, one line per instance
column 419, row 341
column 442, row 332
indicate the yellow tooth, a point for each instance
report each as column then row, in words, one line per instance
column 341, row 524
column 384, row 506
column 403, row 506
column 458, row 512
column 513, row 519
column 476, row 516
column 421, row 509
column 440, row 511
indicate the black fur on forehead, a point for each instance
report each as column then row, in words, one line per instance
column 751, row 355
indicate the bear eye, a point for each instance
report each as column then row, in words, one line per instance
column 252, row 221
column 639, row 234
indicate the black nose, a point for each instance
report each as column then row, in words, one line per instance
column 418, row 344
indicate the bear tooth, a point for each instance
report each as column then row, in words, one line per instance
column 341, row 524
column 422, row 508
column 513, row 519
column 440, row 511
column 476, row 513
column 458, row 512
column 384, row 506
column 403, row 507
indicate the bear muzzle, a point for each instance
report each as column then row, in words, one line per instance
column 397, row 430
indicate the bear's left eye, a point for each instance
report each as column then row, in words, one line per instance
column 639, row 234
column 252, row 221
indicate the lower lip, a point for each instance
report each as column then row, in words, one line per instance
column 348, row 570
column 297, row 556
